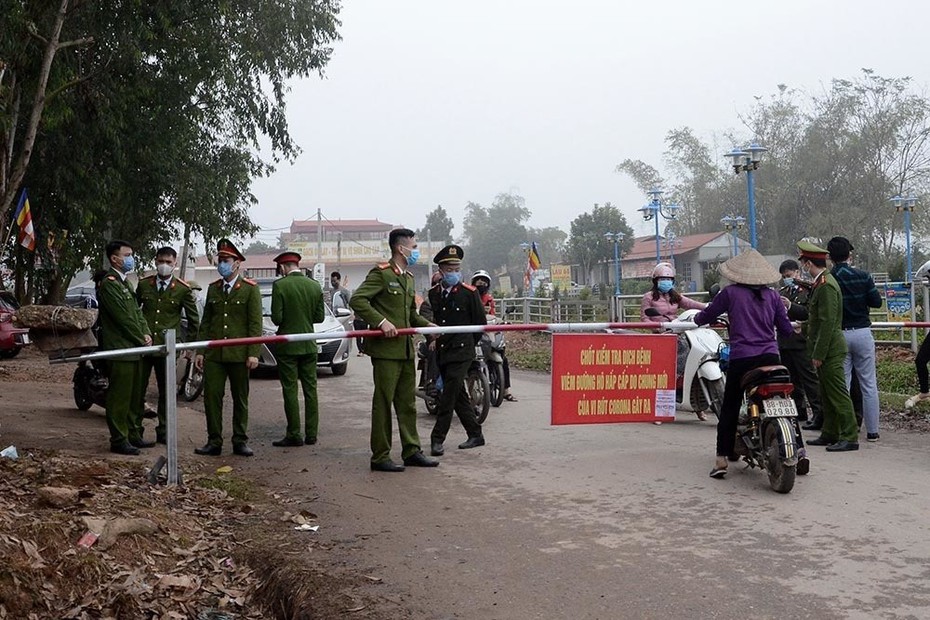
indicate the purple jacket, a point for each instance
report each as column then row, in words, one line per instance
column 752, row 321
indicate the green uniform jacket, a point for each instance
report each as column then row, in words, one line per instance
column 825, row 321
column 162, row 311
column 461, row 306
column 122, row 325
column 388, row 294
column 236, row 315
column 296, row 304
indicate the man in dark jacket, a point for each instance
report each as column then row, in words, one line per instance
column 455, row 303
column 793, row 348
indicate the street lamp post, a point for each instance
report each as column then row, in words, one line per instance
column 671, row 242
column 654, row 210
column 747, row 160
column 733, row 223
column 906, row 204
column 616, row 238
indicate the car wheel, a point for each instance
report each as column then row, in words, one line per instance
column 10, row 353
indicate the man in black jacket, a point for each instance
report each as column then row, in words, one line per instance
column 793, row 349
column 454, row 302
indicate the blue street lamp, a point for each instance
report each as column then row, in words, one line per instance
column 907, row 205
column 654, row 210
column 616, row 238
column 747, row 160
column 732, row 224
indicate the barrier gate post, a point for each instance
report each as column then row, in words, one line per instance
column 171, row 405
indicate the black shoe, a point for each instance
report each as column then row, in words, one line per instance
column 472, row 442
column 242, row 450
column 287, row 442
column 872, row 436
column 125, row 448
column 843, row 446
column 436, row 449
column 141, row 443
column 386, row 466
column 310, row 441
column 418, row 459
column 813, row 425
column 804, row 466
column 718, row 473
column 821, row 441
column 209, row 450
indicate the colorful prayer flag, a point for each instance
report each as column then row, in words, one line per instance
column 534, row 260
column 23, row 217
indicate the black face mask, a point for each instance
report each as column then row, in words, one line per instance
column 482, row 289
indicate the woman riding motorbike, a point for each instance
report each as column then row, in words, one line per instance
column 754, row 312
column 481, row 280
column 664, row 298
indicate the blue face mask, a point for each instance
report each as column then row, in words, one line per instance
column 414, row 256
column 452, row 278
column 225, row 268
column 788, row 281
column 129, row 263
column 665, row 286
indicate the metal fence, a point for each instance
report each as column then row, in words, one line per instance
column 622, row 308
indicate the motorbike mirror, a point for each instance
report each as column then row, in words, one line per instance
column 652, row 312
column 713, row 290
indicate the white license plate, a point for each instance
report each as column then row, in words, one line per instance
column 319, row 349
column 779, row 408
column 24, row 338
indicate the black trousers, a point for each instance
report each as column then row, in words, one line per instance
column 454, row 397
column 733, row 399
column 923, row 358
column 806, row 383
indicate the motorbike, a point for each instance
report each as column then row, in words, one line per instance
column 190, row 378
column 493, row 347
column 477, row 384
column 766, row 433
column 700, row 381
column 89, row 384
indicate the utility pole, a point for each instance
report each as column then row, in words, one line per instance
column 339, row 250
column 184, row 250
column 319, row 236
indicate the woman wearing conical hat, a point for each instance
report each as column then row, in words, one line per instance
column 754, row 311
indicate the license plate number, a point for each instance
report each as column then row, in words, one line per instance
column 779, row 408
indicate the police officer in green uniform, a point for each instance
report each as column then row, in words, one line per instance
column 163, row 298
column 827, row 349
column 386, row 300
column 296, row 304
column 233, row 310
column 455, row 303
column 122, row 326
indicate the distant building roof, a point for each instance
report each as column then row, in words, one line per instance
column 309, row 226
column 645, row 247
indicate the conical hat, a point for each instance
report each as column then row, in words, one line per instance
column 749, row 267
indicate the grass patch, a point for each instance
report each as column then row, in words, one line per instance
column 236, row 488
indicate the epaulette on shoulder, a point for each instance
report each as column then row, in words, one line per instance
column 436, row 286
column 250, row 281
column 384, row 265
column 218, row 282
column 150, row 278
column 185, row 283
column 469, row 287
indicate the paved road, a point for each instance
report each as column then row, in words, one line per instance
column 614, row 521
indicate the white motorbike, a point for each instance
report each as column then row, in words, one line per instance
column 700, row 380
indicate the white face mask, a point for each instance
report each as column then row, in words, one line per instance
column 164, row 270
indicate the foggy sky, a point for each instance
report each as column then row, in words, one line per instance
column 432, row 102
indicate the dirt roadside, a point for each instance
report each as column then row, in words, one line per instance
column 223, row 546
